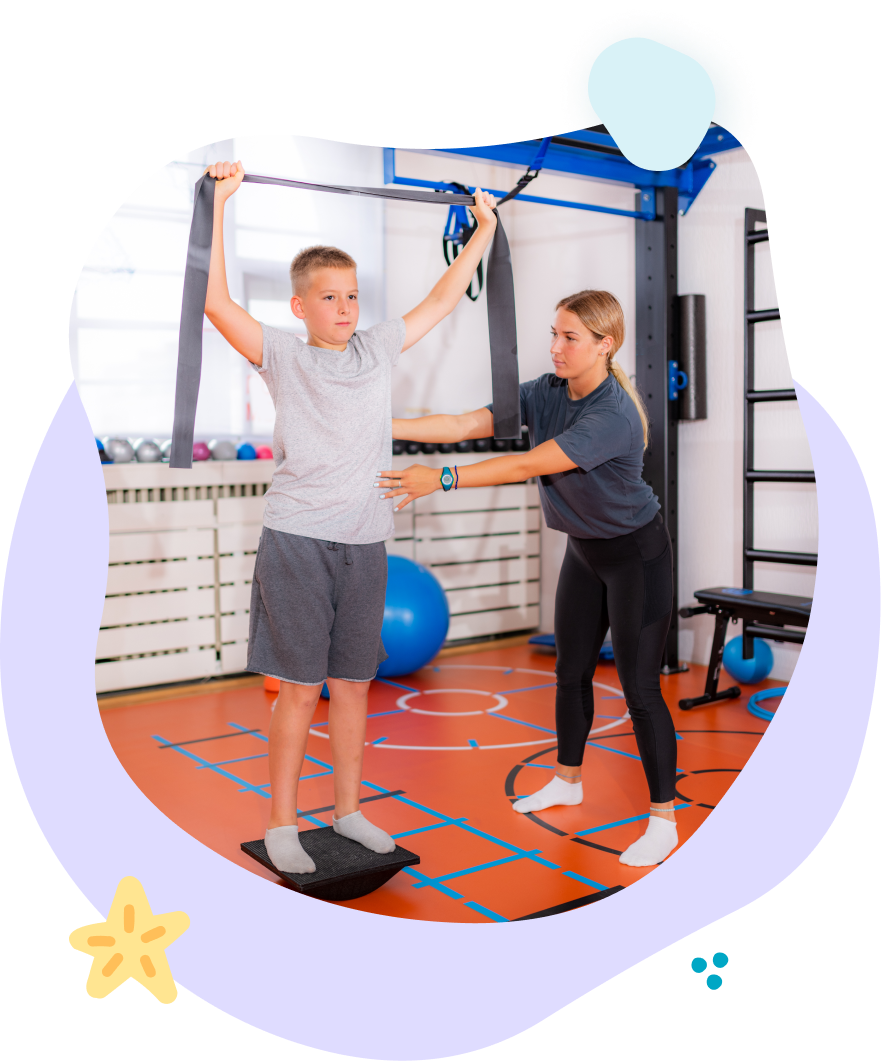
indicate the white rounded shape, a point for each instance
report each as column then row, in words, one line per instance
column 403, row 702
column 665, row 134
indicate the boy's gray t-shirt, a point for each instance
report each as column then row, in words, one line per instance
column 333, row 433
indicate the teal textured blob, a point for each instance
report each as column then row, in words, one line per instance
column 720, row 960
column 699, row 964
column 714, row 982
column 736, row 105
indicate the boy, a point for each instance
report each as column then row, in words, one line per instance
column 318, row 594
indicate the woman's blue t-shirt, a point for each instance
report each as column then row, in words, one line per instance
column 606, row 495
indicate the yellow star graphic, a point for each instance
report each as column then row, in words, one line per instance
column 131, row 942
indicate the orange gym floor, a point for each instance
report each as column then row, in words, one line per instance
column 449, row 748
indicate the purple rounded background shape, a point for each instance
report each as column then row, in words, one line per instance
column 272, row 957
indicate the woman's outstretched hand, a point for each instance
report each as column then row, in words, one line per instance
column 415, row 481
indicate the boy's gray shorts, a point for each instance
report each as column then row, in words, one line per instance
column 316, row 609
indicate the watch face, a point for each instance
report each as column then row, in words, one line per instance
column 447, row 479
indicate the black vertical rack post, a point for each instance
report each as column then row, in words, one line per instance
column 751, row 397
column 657, row 343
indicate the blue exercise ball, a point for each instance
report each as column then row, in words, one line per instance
column 417, row 617
column 247, row 452
column 748, row 671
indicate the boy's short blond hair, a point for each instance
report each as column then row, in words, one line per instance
column 312, row 258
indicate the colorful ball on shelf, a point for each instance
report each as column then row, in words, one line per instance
column 201, row 452
column 748, row 671
column 247, row 452
column 224, row 450
column 148, row 452
column 119, row 450
column 264, row 453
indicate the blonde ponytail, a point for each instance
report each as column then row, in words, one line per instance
column 601, row 312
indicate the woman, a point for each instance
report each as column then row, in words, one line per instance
column 588, row 431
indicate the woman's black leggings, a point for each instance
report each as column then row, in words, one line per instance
column 625, row 583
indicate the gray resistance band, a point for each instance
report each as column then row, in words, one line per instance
column 499, row 307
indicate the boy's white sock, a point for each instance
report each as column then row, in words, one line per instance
column 654, row 845
column 285, row 852
column 556, row 793
column 357, row 827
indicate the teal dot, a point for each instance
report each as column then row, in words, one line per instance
column 720, row 960
column 714, row 982
column 698, row 965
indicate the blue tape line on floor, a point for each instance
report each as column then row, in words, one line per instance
column 520, row 722
column 442, row 888
column 247, row 786
column 473, row 743
column 398, row 685
column 378, row 740
column 309, row 777
column 526, row 689
column 427, row 828
column 624, row 821
column 243, row 759
column 584, row 880
column 379, row 714
column 491, row 914
column 467, row 828
column 539, row 766
column 471, row 869
column 614, row 751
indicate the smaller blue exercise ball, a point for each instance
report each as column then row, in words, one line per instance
column 247, row 452
column 417, row 617
column 748, row 671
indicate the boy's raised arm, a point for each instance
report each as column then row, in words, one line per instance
column 443, row 297
column 237, row 326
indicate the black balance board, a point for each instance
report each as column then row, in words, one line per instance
column 344, row 869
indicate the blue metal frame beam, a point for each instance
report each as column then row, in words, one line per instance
column 598, row 165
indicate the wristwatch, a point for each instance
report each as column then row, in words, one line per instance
column 447, row 479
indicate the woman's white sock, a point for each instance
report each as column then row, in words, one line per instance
column 556, row 793
column 654, row 845
column 357, row 827
column 285, row 851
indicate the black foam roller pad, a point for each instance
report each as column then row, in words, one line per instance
column 344, row 869
column 693, row 356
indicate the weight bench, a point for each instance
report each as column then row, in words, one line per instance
column 763, row 614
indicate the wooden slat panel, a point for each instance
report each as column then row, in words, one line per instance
column 239, row 537
column 154, row 607
column 404, row 548
column 234, row 627
column 460, row 524
column 161, row 545
column 473, row 600
column 247, row 471
column 154, row 670
column 483, row 623
column 489, row 573
column 233, row 658
column 154, row 637
column 160, row 515
column 495, row 547
column 513, row 495
column 237, row 568
column 404, row 523
column 240, row 509
column 235, row 598
column 141, row 578
column 136, row 476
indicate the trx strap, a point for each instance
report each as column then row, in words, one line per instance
column 457, row 232
column 500, row 306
